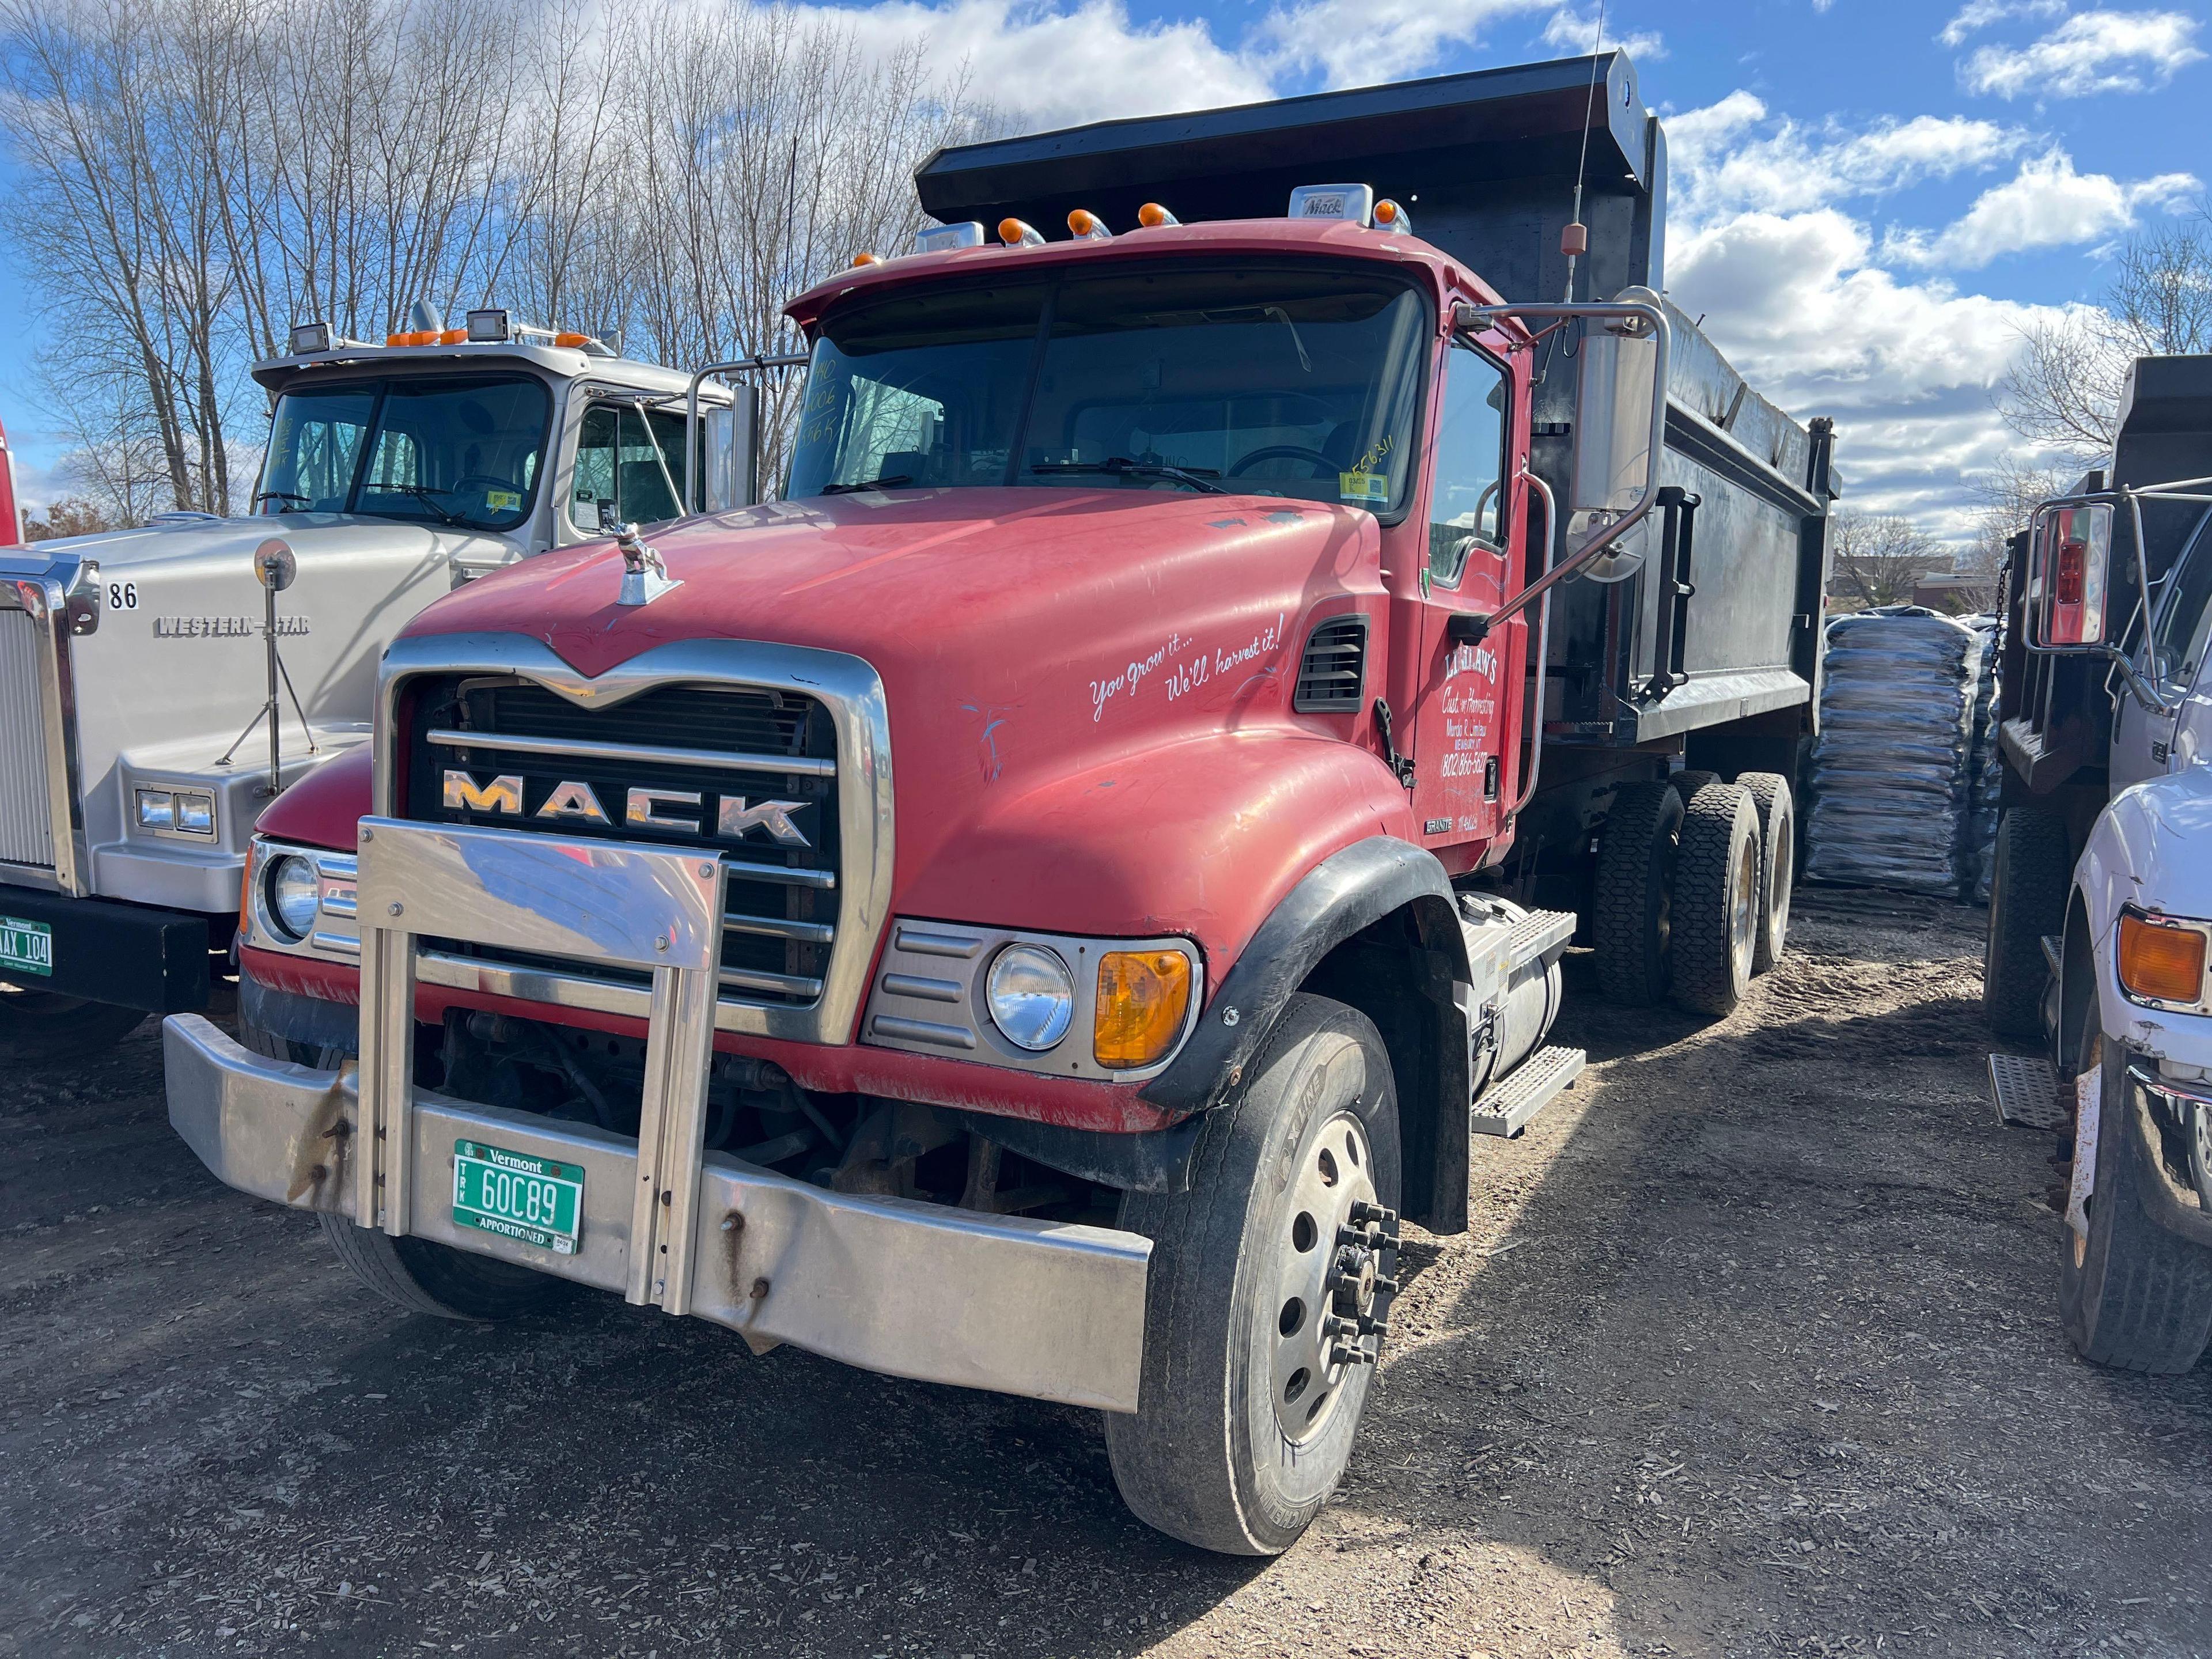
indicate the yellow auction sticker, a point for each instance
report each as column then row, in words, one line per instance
column 1368, row 488
column 501, row 501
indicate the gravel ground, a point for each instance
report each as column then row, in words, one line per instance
column 1752, row 1351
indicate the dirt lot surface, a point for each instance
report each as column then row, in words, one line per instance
column 1752, row 1351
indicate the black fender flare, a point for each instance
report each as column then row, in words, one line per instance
column 1345, row 892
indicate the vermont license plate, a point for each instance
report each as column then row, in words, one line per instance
column 26, row 947
column 517, row 1196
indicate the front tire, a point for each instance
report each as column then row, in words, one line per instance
column 414, row 1275
column 2132, row 1295
column 1248, row 1406
column 37, row 1025
column 2031, row 871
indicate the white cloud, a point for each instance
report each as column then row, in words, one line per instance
column 1578, row 34
column 1906, row 368
column 1728, row 157
column 2091, row 51
column 2046, row 204
column 1978, row 14
column 1358, row 43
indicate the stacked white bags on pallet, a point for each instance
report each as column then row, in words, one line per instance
column 1989, row 763
column 1892, row 778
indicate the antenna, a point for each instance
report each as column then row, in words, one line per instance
column 1574, row 240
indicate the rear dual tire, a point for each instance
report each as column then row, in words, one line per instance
column 2031, row 873
column 1717, row 885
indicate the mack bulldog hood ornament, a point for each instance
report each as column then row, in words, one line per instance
column 645, row 577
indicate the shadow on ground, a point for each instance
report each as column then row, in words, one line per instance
column 1750, row 1351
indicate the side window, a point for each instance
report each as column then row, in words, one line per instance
column 617, row 462
column 2187, row 610
column 1468, row 506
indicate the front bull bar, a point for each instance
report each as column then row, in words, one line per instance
column 1044, row 1309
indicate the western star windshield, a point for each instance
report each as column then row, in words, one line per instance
column 456, row 450
column 1290, row 380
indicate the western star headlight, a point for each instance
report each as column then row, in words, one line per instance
column 289, row 881
column 1031, row 997
column 174, row 812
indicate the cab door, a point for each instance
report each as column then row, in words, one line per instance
column 2171, row 658
column 1463, row 717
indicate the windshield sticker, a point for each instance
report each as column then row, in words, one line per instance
column 1366, row 488
column 501, row 501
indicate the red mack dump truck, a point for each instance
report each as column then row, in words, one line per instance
column 1033, row 907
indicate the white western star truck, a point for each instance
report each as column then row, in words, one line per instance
column 145, row 718
column 2100, row 907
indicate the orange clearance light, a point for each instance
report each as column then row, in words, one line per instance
column 2162, row 960
column 418, row 336
column 1386, row 210
column 1143, row 996
column 452, row 336
column 1088, row 227
column 860, row 259
column 1152, row 215
column 576, row 342
column 1017, row 233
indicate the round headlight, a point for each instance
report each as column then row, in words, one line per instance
column 293, row 898
column 1032, row 996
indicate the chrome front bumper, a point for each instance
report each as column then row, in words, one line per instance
column 1032, row 1307
column 1048, row 1310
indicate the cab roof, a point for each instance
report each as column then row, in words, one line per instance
column 557, row 362
column 1437, row 271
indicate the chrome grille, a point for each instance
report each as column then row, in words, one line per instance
column 783, row 902
column 27, row 833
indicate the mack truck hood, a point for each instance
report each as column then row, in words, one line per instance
column 1088, row 691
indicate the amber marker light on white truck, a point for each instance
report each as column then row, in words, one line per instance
column 1143, row 996
column 2161, row 961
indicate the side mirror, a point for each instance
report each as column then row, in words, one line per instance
column 1613, row 419
column 2069, row 553
column 729, row 467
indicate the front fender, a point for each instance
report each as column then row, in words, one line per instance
column 2148, row 848
column 1204, row 838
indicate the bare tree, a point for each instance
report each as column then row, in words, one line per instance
column 1878, row 557
column 202, row 173
column 2063, row 392
column 67, row 515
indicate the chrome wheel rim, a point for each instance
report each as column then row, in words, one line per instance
column 1743, row 906
column 1336, row 1255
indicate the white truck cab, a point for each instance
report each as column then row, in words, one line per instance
column 136, row 680
column 2100, row 916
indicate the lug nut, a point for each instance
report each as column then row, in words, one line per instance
column 1386, row 1287
column 1370, row 1326
column 1363, row 1211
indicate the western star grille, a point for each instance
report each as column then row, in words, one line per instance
column 733, row 748
column 26, row 834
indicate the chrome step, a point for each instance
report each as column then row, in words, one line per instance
column 2053, row 948
column 2026, row 1087
column 1505, row 1107
column 1538, row 933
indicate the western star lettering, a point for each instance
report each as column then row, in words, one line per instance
column 224, row 627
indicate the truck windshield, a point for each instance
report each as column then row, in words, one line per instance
column 453, row 450
column 1296, row 381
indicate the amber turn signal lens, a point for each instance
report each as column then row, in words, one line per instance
column 1143, row 996
column 2160, row 960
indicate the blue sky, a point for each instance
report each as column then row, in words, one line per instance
column 1871, row 198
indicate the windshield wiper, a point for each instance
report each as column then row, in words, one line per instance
column 261, row 496
column 889, row 481
column 421, row 493
column 1121, row 466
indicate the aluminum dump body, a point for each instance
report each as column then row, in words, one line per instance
column 1486, row 164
